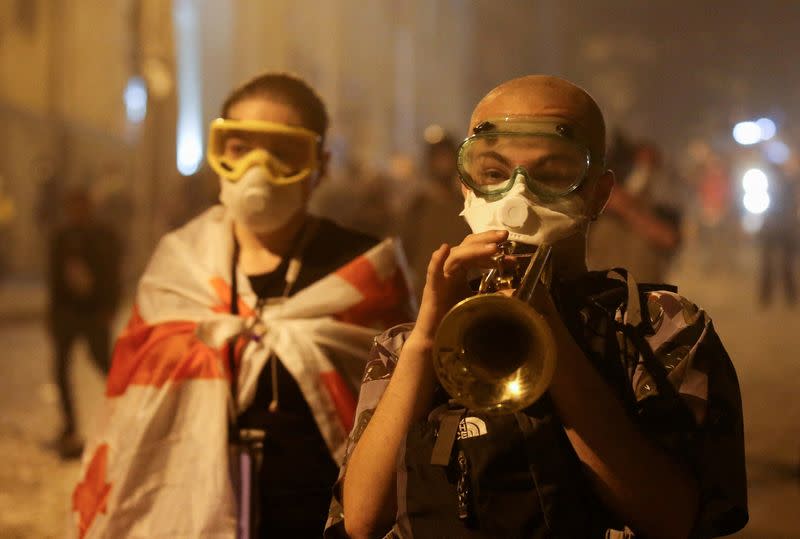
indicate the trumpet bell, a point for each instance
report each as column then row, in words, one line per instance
column 494, row 354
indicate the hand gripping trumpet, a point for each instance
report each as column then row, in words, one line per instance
column 494, row 353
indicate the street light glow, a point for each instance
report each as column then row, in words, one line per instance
column 135, row 98
column 190, row 154
column 755, row 180
column 767, row 127
column 756, row 197
column 746, row 133
column 756, row 202
column 189, row 130
column 777, row 152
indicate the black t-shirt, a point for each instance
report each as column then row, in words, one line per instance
column 298, row 471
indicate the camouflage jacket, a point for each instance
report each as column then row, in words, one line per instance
column 688, row 356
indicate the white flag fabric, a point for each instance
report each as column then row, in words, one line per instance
column 158, row 466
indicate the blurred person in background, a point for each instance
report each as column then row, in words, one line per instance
column 391, row 191
column 84, row 292
column 367, row 200
column 432, row 208
column 189, row 196
column 232, row 388
column 779, row 233
column 712, row 181
column 621, row 153
column 49, row 193
column 641, row 227
column 110, row 193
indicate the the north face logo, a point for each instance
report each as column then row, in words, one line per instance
column 471, row 427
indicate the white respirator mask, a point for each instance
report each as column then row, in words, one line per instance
column 525, row 218
column 260, row 204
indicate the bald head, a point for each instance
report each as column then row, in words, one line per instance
column 545, row 95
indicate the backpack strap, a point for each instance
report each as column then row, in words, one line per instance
column 446, row 436
column 559, row 485
column 449, row 423
column 636, row 327
column 533, row 454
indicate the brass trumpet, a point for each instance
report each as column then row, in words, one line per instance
column 494, row 353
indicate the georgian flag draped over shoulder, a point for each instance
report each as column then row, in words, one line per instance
column 159, row 464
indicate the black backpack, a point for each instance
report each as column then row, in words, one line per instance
column 468, row 474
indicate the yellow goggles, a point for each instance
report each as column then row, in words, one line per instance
column 290, row 153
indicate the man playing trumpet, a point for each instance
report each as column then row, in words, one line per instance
column 640, row 432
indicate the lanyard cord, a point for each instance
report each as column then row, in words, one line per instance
column 232, row 344
column 292, row 273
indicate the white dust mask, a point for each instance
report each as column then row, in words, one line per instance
column 260, row 205
column 525, row 217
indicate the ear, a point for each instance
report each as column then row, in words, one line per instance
column 601, row 193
